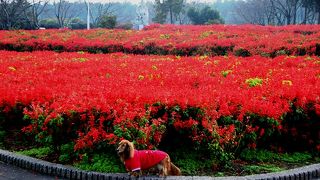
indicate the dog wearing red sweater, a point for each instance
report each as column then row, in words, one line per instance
column 139, row 161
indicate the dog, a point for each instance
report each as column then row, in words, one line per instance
column 137, row 162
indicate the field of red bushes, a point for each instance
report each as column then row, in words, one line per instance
column 244, row 40
column 229, row 100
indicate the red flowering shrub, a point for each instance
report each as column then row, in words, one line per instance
column 227, row 102
column 243, row 40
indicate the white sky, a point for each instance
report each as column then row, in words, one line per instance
column 133, row 1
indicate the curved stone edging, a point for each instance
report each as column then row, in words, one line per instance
column 67, row 172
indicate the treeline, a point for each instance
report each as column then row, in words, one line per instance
column 279, row 12
column 33, row 14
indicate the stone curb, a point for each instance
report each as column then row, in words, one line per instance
column 66, row 172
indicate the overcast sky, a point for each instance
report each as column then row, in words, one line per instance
column 133, row 1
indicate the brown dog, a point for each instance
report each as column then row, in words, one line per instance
column 138, row 161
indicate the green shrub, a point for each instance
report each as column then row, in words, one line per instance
column 67, row 153
column 253, row 82
column 254, row 169
column 297, row 157
column 258, row 155
column 242, row 52
column 191, row 161
column 2, row 136
column 108, row 163
column 37, row 152
column 270, row 157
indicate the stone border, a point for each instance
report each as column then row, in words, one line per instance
column 68, row 172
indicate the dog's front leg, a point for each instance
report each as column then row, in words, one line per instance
column 136, row 173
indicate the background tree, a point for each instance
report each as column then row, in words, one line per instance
column 254, row 12
column 160, row 13
column 307, row 6
column 107, row 21
column 36, row 9
column 171, row 9
column 317, row 9
column 77, row 23
column 278, row 12
column 63, row 12
column 204, row 16
column 99, row 10
column 14, row 13
column 49, row 23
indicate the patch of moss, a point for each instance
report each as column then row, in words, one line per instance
column 37, row 152
column 265, row 168
column 101, row 163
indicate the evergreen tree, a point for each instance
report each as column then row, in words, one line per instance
column 107, row 21
column 171, row 8
column 204, row 16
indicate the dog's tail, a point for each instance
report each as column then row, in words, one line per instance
column 174, row 170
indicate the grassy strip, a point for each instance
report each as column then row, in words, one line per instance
column 192, row 162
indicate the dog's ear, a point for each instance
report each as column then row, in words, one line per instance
column 131, row 149
column 128, row 147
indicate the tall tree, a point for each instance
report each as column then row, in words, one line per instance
column 37, row 8
column 317, row 9
column 279, row 12
column 13, row 14
column 63, row 12
column 107, row 21
column 171, row 8
column 288, row 8
column 204, row 16
column 254, row 12
column 100, row 11
column 160, row 12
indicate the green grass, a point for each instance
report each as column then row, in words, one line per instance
column 107, row 163
column 268, row 156
column 37, row 152
column 254, row 169
column 296, row 157
column 190, row 161
column 2, row 136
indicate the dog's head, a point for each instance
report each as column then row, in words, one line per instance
column 125, row 150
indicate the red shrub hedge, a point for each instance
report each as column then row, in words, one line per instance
column 233, row 101
column 244, row 40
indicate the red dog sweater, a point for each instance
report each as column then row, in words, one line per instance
column 144, row 159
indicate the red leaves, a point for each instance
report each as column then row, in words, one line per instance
column 61, row 86
column 239, row 40
column 108, row 97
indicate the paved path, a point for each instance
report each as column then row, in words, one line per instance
column 9, row 172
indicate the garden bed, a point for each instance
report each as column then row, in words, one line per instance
column 79, row 103
column 242, row 40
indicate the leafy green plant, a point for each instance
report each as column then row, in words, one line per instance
column 102, row 163
column 37, row 152
column 2, row 136
column 258, row 155
column 270, row 157
column 67, row 153
column 253, row 169
column 253, row 82
column 297, row 157
column 226, row 72
column 219, row 155
column 242, row 52
column 191, row 161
